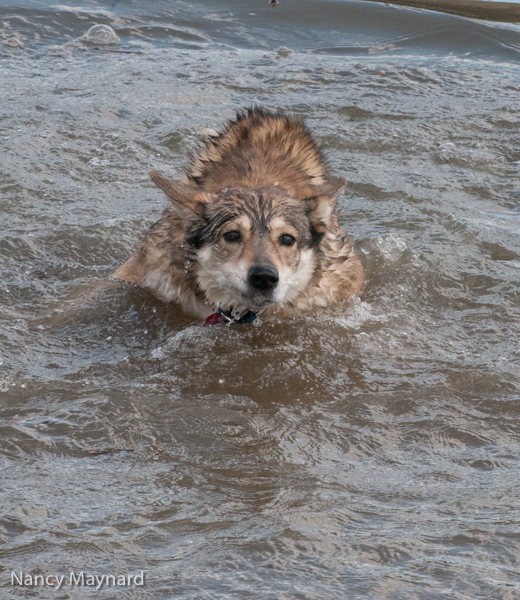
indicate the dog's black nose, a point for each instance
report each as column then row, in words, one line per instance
column 263, row 278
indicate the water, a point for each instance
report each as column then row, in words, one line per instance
column 367, row 451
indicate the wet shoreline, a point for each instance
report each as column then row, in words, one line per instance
column 504, row 12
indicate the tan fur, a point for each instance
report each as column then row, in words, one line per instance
column 262, row 177
column 279, row 152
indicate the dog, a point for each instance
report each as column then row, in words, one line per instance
column 251, row 228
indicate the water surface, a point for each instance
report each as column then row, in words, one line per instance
column 366, row 451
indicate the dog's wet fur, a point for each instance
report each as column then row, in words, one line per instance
column 251, row 225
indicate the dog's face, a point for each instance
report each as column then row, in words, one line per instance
column 253, row 248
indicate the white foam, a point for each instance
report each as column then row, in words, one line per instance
column 358, row 314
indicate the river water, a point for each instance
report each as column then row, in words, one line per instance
column 366, row 451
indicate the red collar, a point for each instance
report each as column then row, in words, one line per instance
column 229, row 316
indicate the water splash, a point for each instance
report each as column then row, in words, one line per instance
column 100, row 34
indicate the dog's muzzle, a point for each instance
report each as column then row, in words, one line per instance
column 263, row 278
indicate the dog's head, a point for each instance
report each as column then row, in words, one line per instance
column 253, row 247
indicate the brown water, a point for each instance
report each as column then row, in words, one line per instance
column 369, row 451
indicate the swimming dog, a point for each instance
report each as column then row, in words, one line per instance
column 251, row 227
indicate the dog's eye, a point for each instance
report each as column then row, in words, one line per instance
column 232, row 237
column 286, row 240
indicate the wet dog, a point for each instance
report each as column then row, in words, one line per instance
column 251, row 227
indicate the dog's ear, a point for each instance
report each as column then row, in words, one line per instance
column 320, row 202
column 187, row 200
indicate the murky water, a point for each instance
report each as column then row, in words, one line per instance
column 370, row 451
